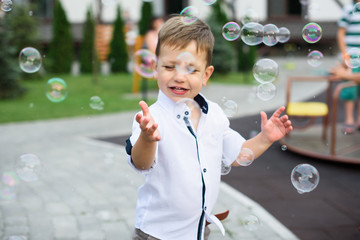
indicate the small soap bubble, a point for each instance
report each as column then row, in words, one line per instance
column 6, row 5
column 10, row 179
column 189, row 15
column 30, row 60
column 28, row 167
column 144, row 63
column 185, row 108
column 231, row 31
column 266, row 91
column 312, row 32
column 265, row 70
column 185, row 63
column 208, row 2
column 315, row 58
column 352, row 58
column 7, row 193
column 356, row 9
column 229, row 107
column 108, row 2
column 270, row 33
column 251, row 223
column 284, row 35
column 225, row 168
column 96, row 103
column 246, row 157
column 31, row 13
column 305, row 178
column 253, row 133
column 56, row 90
column 252, row 33
column 283, row 147
column 250, row 16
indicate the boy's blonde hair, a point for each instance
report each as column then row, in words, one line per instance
column 175, row 33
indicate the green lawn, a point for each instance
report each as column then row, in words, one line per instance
column 114, row 90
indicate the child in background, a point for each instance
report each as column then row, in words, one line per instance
column 182, row 159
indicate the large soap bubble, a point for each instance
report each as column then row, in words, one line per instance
column 56, row 90
column 189, row 15
column 265, row 70
column 28, row 167
column 252, row 33
column 231, row 31
column 283, row 35
column 312, row 32
column 305, row 178
column 30, row 60
column 352, row 58
column 144, row 63
column 271, row 32
column 266, row 91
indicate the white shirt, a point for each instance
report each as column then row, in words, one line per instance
column 182, row 186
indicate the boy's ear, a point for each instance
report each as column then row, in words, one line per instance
column 208, row 72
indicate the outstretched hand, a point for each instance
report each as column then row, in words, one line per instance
column 149, row 129
column 275, row 127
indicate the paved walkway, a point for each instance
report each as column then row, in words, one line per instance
column 86, row 190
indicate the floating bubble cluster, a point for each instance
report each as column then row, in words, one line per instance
column 352, row 58
column 314, row 58
column 270, row 34
column 185, row 63
column 144, row 63
column 229, row 107
column 231, row 31
column 312, row 32
column 30, row 60
column 6, row 5
column 189, row 15
column 252, row 33
column 246, row 157
column 305, row 178
column 265, row 70
column 96, row 103
column 28, row 167
column 56, row 90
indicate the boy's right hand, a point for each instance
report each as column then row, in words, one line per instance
column 149, row 129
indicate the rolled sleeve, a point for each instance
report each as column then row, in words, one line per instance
column 232, row 144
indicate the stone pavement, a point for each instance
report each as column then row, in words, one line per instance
column 86, row 190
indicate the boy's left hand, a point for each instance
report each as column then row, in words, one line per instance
column 276, row 127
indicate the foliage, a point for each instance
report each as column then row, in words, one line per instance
column 87, row 51
column 118, row 53
column 61, row 46
column 9, row 72
column 146, row 15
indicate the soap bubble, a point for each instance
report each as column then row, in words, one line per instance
column 6, row 5
column 225, row 168
column 186, row 108
column 314, row 58
column 283, row 147
column 251, row 223
column 144, row 63
column 284, row 35
column 231, row 31
column 305, row 178
column 208, row 2
column 246, row 157
column 10, row 179
column 229, row 107
column 28, row 167
column 265, row 70
column 56, row 90
column 270, row 33
column 352, row 58
column 266, row 91
column 253, row 133
column 189, row 15
column 185, row 63
column 312, row 32
column 252, row 33
column 96, row 103
column 7, row 192
column 356, row 9
column 250, row 16
column 30, row 60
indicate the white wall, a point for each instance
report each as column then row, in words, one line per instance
column 325, row 10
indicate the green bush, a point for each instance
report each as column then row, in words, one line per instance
column 61, row 47
column 87, row 51
column 118, row 55
column 146, row 15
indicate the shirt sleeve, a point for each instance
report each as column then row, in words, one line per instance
column 131, row 142
column 344, row 20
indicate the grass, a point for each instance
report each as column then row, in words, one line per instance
column 114, row 90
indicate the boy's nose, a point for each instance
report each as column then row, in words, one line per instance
column 179, row 77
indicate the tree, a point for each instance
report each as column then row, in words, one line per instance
column 118, row 55
column 61, row 46
column 146, row 15
column 9, row 71
column 87, row 51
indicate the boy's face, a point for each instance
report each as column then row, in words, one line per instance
column 177, row 85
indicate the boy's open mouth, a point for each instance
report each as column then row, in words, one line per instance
column 179, row 90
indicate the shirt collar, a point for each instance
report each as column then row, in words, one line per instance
column 169, row 104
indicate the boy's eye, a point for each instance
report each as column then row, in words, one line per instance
column 169, row 67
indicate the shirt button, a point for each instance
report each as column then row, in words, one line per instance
column 205, row 208
column 204, row 170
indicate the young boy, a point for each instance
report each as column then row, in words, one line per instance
column 182, row 162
